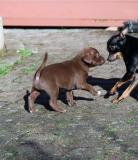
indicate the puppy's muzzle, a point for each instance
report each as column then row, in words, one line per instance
column 101, row 61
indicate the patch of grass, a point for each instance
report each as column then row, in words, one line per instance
column 2, row 53
column 60, row 138
column 5, row 68
column 131, row 121
column 18, row 62
column 111, row 132
column 24, row 52
column 136, row 132
column 11, row 154
column 133, row 117
column 29, row 69
column 133, row 112
column 114, row 106
column 133, row 151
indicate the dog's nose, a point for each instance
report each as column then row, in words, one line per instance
column 108, row 59
column 111, row 58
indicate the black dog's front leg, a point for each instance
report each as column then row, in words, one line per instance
column 128, row 76
column 127, row 92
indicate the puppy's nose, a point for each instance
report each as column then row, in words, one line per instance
column 102, row 60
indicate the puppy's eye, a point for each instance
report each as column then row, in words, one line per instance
column 96, row 56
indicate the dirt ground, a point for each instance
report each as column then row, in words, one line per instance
column 94, row 129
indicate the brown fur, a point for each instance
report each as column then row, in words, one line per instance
column 68, row 75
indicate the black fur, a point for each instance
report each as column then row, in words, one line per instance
column 128, row 46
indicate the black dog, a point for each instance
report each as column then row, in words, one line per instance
column 125, row 46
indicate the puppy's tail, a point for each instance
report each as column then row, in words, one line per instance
column 38, row 72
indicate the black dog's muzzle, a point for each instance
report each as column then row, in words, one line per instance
column 115, row 56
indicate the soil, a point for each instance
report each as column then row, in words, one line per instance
column 94, row 129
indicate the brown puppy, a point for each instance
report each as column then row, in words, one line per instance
column 68, row 75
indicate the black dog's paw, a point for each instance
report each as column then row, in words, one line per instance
column 107, row 95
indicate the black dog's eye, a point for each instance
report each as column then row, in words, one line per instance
column 112, row 47
column 120, row 43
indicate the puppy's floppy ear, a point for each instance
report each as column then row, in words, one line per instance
column 87, row 58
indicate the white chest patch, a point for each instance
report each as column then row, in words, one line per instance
column 37, row 78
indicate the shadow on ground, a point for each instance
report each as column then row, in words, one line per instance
column 37, row 149
column 43, row 99
column 106, row 84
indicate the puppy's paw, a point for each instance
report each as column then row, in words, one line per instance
column 64, row 111
column 72, row 103
column 99, row 93
column 60, row 110
column 31, row 111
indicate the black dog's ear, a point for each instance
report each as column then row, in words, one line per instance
column 123, row 30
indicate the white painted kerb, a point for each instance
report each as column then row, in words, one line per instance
column 1, row 34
